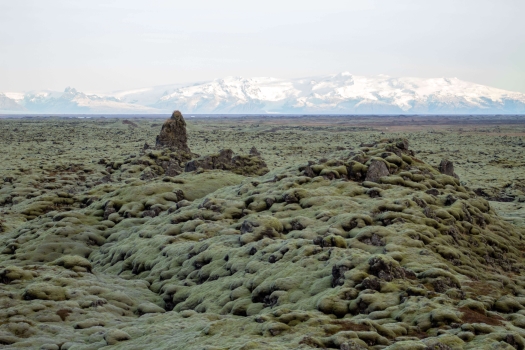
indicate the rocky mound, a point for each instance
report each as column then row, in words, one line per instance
column 372, row 249
column 173, row 134
column 177, row 157
column 248, row 165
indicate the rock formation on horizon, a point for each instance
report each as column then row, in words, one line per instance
column 176, row 156
column 173, row 134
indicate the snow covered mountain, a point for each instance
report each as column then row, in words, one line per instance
column 69, row 101
column 342, row 93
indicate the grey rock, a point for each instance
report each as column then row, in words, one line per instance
column 376, row 170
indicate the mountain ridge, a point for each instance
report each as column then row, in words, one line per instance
column 342, row 93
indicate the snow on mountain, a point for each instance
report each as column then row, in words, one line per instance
column 229, row 95
column 8, row 103
column 342, row 93
column 144, row 96
column 72, row 101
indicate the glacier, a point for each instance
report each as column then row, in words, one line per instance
column 342, row 93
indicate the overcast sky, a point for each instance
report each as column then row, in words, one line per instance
column 98, row 46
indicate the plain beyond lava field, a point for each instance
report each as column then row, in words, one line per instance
column 97, row 251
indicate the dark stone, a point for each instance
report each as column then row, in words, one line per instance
column 385, row 271
column 432, row 191
column 108, row 211
column 374, row 240
column 223, row 160
column 338, row 275
column 354, row 175
column 420, row 202
column 409, row 274
column 190, row 166
column 149, row 213
column 147, row 175
column 180, row 196
column 307, row 171
column 171, row 168
column 247, row 226
column 254, row 152
column 442, row 284
column 297, row 226
column 376, row 170
column 509, row 339
column 269, row 202
column 374, row 192
column 450, row 200
column 371, row 283
column 290, row 198
column 447, row 167
column 152, row 212
column 402, row 144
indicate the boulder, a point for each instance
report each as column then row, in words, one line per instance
column 447, row 167
column 376, row 170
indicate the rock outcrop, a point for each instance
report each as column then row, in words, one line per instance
column 173, row 134
column 247, row 165
column 447, row 167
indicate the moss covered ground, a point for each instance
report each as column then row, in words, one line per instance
column 352, row 239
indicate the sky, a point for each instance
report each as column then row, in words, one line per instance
column 103, row 46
